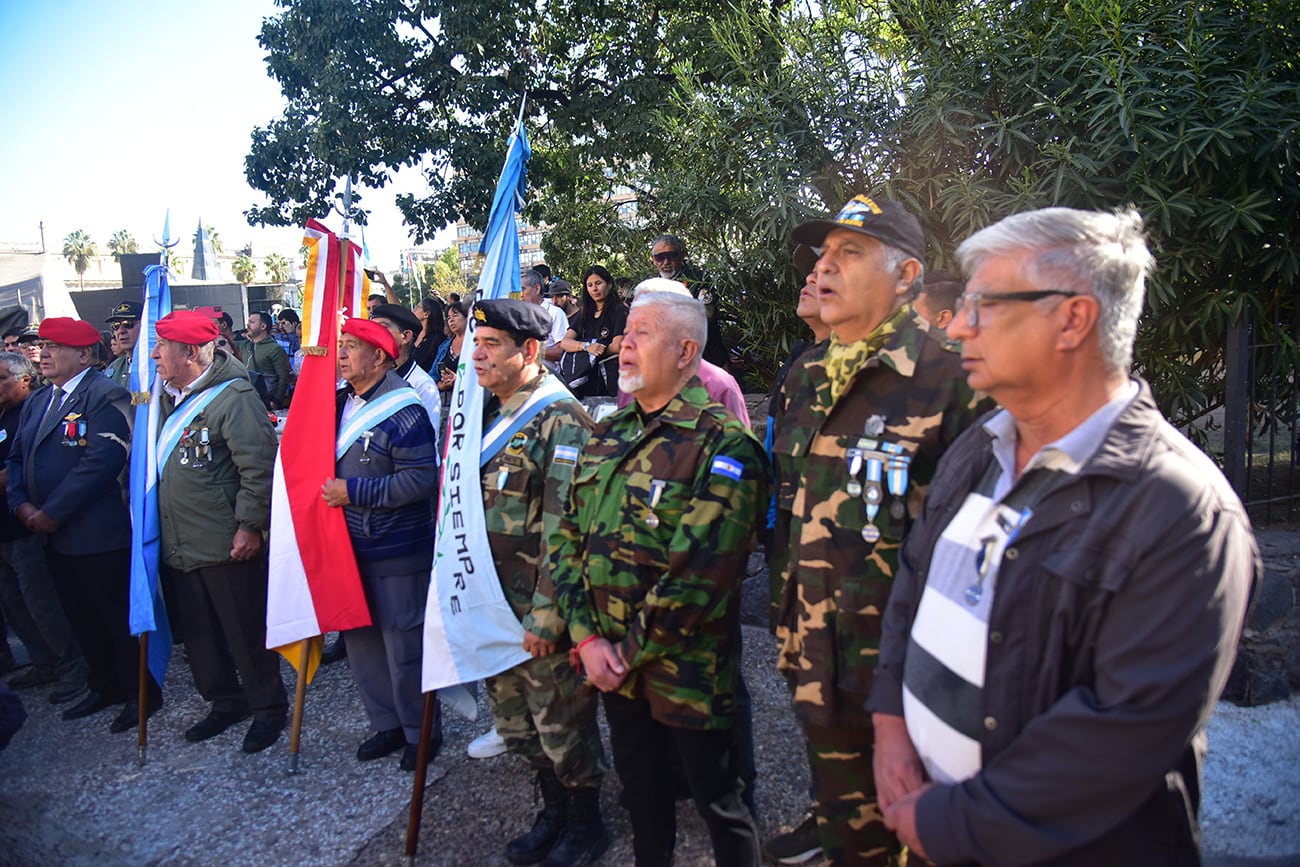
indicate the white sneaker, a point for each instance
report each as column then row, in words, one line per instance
column 486, row 745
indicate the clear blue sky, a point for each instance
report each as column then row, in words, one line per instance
column 83, row 149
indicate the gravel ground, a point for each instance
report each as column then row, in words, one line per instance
column 71, row 793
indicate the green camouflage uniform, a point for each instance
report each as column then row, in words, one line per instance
column 665, row 589
column 903, row 389
column 120, row 370
column 542, row 708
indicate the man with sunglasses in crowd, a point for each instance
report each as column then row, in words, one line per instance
column 669, row 257
column 124, row 320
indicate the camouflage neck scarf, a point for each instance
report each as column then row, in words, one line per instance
column 844, row 360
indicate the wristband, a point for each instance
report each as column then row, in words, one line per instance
column 575, row 654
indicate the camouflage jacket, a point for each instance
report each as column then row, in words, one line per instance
column 905, row 404
column 652, row 551
column 525, row 488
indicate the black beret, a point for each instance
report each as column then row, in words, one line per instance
column 399, row 315
column 520, row 318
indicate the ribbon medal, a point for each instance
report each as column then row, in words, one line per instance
column 656, row 491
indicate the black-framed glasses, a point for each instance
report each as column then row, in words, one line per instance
column 124, row 325
column 666, row 255
column 972, row 302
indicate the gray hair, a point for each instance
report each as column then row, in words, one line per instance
column 1096, row 253
column 531, row 278
column 673, row 240
column 18, row 364
column 684, row 315
column 892, row 261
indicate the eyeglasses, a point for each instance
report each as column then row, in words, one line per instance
column 666, row 255
column 123, row 325
column 973, row 302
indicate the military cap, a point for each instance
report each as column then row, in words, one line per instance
column 399, row 315
column 521, row 318
column 372, row 333
column 188, row 326
column 886, row 221
column 125, row 310
column 30, row 334
column 67, row 331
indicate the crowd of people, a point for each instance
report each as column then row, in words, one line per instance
column 1006, row 593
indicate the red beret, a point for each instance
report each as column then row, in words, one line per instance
column 187, row 326
column 372, row 333
column 67, row 331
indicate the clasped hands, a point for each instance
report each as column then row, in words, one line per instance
column 603, row 664
column 900, row 779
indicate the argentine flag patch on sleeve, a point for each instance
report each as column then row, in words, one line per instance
column 727, row 467
column 566, row 455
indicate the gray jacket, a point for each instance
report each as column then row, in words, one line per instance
column 1112, row 633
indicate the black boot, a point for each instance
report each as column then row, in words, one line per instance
column 533, row 846
column 585, row 838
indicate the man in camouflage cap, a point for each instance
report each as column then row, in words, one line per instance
column 533, row 431
column 649, row 560
column 862, row 422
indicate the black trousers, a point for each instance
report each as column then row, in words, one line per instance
column 94, row 590
column 642, row 748
column 222, row 613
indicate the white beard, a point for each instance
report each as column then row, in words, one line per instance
column 630, row 382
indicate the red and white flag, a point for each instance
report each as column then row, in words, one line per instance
column 314, row 584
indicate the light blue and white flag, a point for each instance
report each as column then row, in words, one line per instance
column 148, row 613
column 470, row 631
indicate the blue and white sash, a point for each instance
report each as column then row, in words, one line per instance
column 371, row 414
column 495, row 438
column 181, row 418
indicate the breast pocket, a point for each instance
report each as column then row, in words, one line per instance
column 653, row 507
column 1077, row 582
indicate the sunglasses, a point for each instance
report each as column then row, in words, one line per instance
column 666, row 256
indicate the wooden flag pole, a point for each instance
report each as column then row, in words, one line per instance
column 421, row 773
column 299, row 697
column 142, row 736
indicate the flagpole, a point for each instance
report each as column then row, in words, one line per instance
column 142, row 686
column 142, row 739
column 299, row 698
column 421, row 773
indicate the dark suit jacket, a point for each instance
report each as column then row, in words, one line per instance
column 77, row 486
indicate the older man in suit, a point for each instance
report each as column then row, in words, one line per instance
column 64, row 465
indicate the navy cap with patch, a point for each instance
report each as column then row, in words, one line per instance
column 888, row 222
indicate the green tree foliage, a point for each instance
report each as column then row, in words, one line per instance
column 727, row 123
column 78, row 249
column 277, row 268
column 437, row 83
column 244, row 269
column 122, row 244
column 1186, row 110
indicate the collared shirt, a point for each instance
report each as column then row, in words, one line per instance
column 179, row 394
column 1078, row 445
column 67, row 388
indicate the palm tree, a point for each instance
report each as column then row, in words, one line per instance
column 122, row 244
column 78, row 249
column 277, row 268
column 244, row 269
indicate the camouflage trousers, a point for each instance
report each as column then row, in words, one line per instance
column 849, row 823
column 547, row 714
